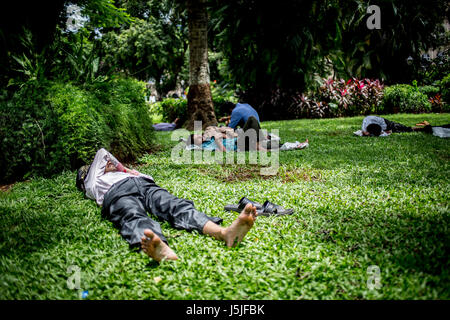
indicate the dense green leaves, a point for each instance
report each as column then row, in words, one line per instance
column 153, row 47
column 287, row 44
column 51, row 126
column 405, row 98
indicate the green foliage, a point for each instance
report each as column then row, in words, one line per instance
column 429, row 91
column 170, row 109
column 444, row 85
column 407, row 30
column 77, row 58
column 373, row 201
column 405, row 98
column 153, row 47
column 47, row 49
column 295, row 43
column 433, row 70
column 52, row 126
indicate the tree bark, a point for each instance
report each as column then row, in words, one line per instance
column 200, row 106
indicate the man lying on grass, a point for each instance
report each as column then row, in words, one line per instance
column 126, row 196
column 378, row 126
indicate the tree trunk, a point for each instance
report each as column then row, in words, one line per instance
column 200, row 106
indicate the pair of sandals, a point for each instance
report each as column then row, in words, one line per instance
column 265, row 209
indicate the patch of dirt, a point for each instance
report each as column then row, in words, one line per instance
column 237, row 173
column 6, row 187
column 234, row 173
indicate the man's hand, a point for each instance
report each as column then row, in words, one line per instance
column 110, row 167
column 133, row 172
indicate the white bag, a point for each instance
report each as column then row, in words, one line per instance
column 441, row 132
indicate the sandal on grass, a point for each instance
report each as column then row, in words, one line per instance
column 241, row 205
column 271, row 209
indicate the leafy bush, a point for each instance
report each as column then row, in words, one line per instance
column 405, row 98
column 309, row 107
column 171, row 108
column 47, row 127
column 444, row 85
column 429, row 91
column 126, row 114
column 352, row 97
column 339, row 98
column 430, row 70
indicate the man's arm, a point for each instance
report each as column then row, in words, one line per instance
column 97, row 169
column 110, row 167
column 234, row 120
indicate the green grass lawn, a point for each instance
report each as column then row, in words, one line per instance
column 358, row 202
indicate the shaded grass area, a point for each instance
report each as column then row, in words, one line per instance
column 358, row 202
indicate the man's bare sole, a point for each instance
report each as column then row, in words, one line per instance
column 158, row 250
column 155, row 248
column 234, row 234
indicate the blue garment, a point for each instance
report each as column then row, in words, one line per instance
column 229, row 144
column 240, row 115
column 164, row 126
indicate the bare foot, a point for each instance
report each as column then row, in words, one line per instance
column 239, row 227
column 152, row 245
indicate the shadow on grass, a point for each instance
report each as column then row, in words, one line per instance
column 416, row 243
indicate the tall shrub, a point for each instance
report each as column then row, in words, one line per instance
column 53, row 126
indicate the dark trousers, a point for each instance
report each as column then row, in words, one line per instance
column 248, row 142
column 127, row 202
column 429, row 129
column 396, row 127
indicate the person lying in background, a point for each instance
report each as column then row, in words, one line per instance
column 163, row 126
column 215, row 139
column 381, row 127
